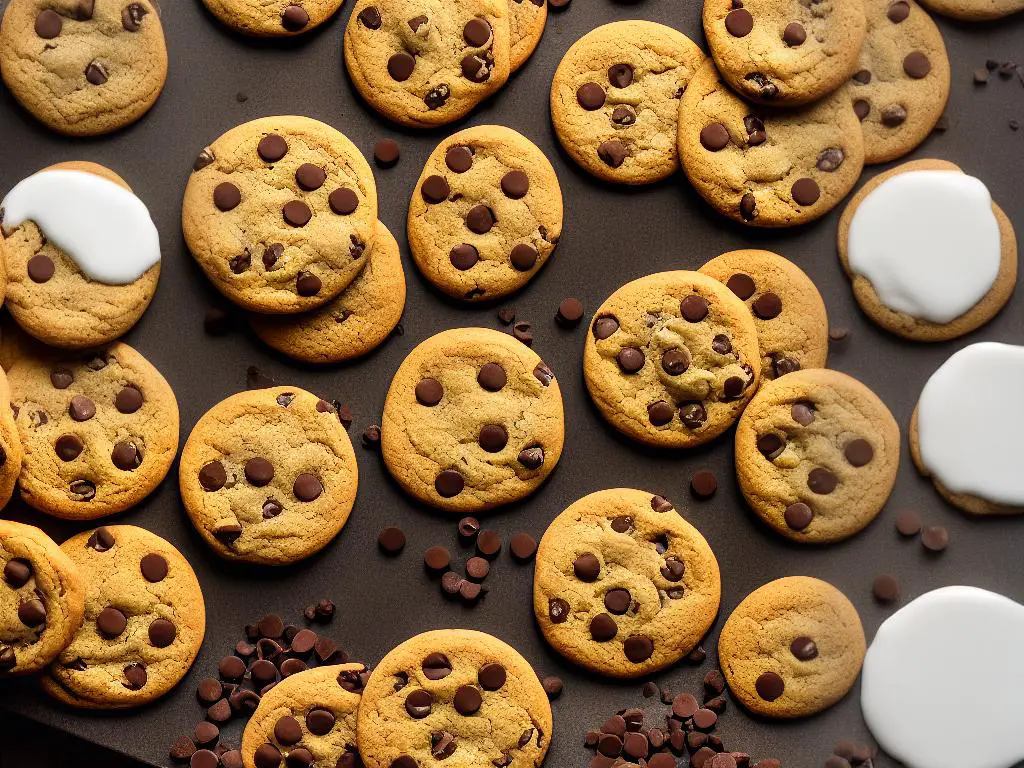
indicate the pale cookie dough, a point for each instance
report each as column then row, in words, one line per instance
column 269, row 475
column 83, row 67
column 100, row 430
column 941, row 275
column 789, row 313
column 975, row 10
column 486, row 213
column 624, row 586
column 473, row 420
column 671, row 359
column 792, row 648
column 526, row 19
column 12, row 453
column 308, row 718
column 768, row 168
column 454, row 697
column 42, row 598
column 144, row 621
column 816, row 455
column 615, row 99
column 275, row 18
column 279, row 212
column 424, row 63
column 82, row 255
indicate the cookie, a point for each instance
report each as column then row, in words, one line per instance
column 83, row 67
column 671, row 359
column 357, row 321
column 789, row 313
column 281, row 18
column 930, row 256
column 816, row 455
column 792, row 648
column 309, row 718
column 454, row 697
column 280, row 212
column 526, row 19
column 487, row 214
column 12, row 452
column 615, row 99
column 269, row 475
column 144, row 621
column 82, row 255
column 768, row 168
column 423, row 66
column 100, row 431
column 624, row 586
column 784, row 52
column 473, row 420
column 975, row 10
column 42, row 599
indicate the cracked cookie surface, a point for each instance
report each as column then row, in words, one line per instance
column 83, row 67
column 12, row 452
column 792, row 648
column 816, row 455
column 454, row 697
column 624, row 585
column 486, row 215
column 275, row 18
column 671, row 359
column 279, row 213
column 144, row 621
column 269, row 476
column 526, row 19
column 473, row 420
column 615, row 99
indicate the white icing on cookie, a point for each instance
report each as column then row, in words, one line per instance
column 928, row 242
column 950, row 662
column 969, row 421
column 102, row 226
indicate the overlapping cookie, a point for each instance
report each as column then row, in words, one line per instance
column 12, row 452
column 526, row 19
column 976, row 10
column 274, row 19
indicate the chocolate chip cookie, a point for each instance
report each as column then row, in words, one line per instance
column 273, row 19
column 144, row 621
column 526, row 19
column 454, row 697
column 816, row 455
column 473, row 420
column 975, row 10
column 487, row 213
column 789, row 313
column 83, row 67
column 671, row 359
column 792, row 648
column 269, row 475
column 42, row 599
column 624, row 586
column 424, row 67
column 11, row 450
column 280, row 212
column 615, row 99
column 768, row 168
column 100, row 430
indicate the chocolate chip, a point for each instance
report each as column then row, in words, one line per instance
column 767, row 306
column 493, row 438
column 862, row 77
column 469, row 527
column 153, row 567
column 714, row 137
column 733, row 387
column 587, row 567
column 660, row 413
column 492, row 377
column 908, row 523
column 226, row 196
column 488, row 544
column 307, row 487
column 590, row 96
column 661, row 504
column 101, row 540
column 603, row 628
column 17, row 572
column 81, row 408
column 769, row 686
column 798, row 516
column 436, row 666
column 638, row 648
column 612, row 152
column 213, row 476
column 771, row 445
column 401, row 65
column 917, row 65
column 32, row 612
column 805, row 191
column 861, row 108
column 894, row 115
column 416, row 22
column 898, row 11
column 630, row 359
column 515, row 184
column 449, row 483
column 553, row 687
column 320, row 721
column 480, row 219
column 523, row 257
column 68, row 447
column 429, row 392
column 467, row 700
column 386, row 151
column 885, row 588
column 343, row 201
column 558, row 610
column 604, row 326
column 128, row 400
column 748, row 207
column 693, row 308
column 135, row 677
column 435, row 189
column 623, row 114
column 693, row 415
column 272, row 148
column 754, row 127
column 437, row 97
column 620, row 75
column 267, row 756
column 48, row 24
column 227, row 533
column 96, row 73
column 296, row 213
column 203, row 159
column 570, row 312
column 61, row 378
column 935, row 538
column 618, row 601
column 859, row 452
column 259, row 471
column 131, row 17
column 476, row 33
column 182, row 749
column 310, row 177
column 162, row 633
column 822, row 481
column 703, row 484
column 830, row 159
column 532, row 457
column 391, row 540
column 802, row 413
column 804, row 648
column 742, row 285
column 794, row 35
column 442, row 745
column 307, row 284
column 240, row 263
column 475, row 68
column 111, row 622
column 294, row 18
column 83, row 490
column 739, row 22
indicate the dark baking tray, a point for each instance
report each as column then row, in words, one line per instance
column 612, row 235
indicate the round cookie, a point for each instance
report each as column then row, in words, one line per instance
column 273, row 19
column 269, row 475
column 526, row 19
column 12, row 453
column 975, row 10
column 427, row 65
column 624, row 586
column 279, row 212
column 42, row 598
column 792, row 648
column 100, row 431
column 615, row 99
column 144, row 621
column 672, row 359
column 784, row 52
column 789, row 313
column 83, row 67
column 82, row 255
column 816, row 455
column 487, row 213
column 932, row 295
column 901, row 83
column 473, row 420
column 768, row 168
column 454, row 697
column 311, row 714
column 357, row 321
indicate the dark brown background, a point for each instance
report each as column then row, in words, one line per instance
column 611, row 236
